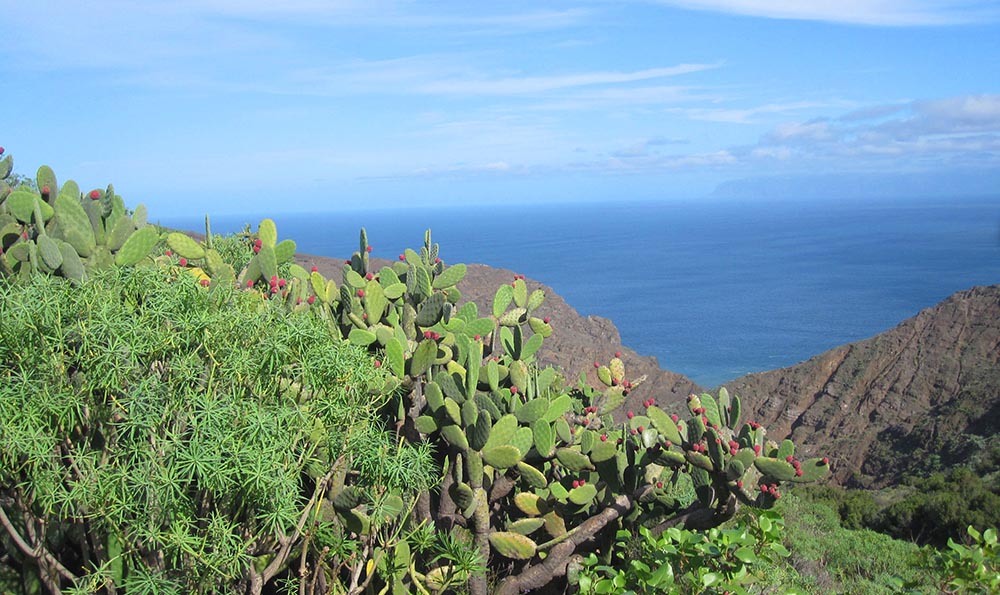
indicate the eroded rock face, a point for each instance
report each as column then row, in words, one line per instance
column 870, row 404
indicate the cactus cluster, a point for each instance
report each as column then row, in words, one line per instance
column 60, row 230
column 530, row 465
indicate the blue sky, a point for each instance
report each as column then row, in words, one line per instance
column 300, row 105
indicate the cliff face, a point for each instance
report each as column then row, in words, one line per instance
column 907, row 392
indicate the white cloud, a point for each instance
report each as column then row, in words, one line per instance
column 961, row 130
column 897, row 13
column 751, row 115
column 542, row 84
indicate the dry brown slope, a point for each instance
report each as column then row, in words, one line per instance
column 914, row 387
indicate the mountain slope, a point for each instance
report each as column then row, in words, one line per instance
column 875, row 406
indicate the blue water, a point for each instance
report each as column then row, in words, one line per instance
column 714, row 290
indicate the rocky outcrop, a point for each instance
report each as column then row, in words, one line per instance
column 904, row 393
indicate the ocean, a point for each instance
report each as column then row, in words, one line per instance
column 713, row 289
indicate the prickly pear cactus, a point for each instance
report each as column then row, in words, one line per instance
column 533, row 470
column 61, row 231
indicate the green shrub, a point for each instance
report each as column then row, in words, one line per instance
column 968, row 569
column 737, row 559
column 167, row 438
column 941, row 507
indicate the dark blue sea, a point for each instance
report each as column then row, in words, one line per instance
column 714, row 290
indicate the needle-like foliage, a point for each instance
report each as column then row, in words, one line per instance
column 165, row 436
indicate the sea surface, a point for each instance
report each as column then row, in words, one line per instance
column 713, row 289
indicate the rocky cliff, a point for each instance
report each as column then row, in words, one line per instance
column 923, row 388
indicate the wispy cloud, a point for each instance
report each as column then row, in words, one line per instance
column 955, row 130
column 751, row 115
column 542, row 84
column 894, row 13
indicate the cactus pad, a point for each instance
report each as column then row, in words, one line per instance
column 513, row 545
column 502, row 457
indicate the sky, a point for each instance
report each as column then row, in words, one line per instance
column 226, row 106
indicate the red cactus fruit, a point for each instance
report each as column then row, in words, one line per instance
column 630, row 415
column 764, row 489
column 402, row 257
column 282, row 283
column 674, row 418
column 825, row 461
column 256, row 249
column 604, row 437
column 45, row 190
column 368, row 249
column 659, row 485
column 546, row 320
column 618, row 354
column 94, row 195
column 739, row 483
column 249, row 282
column 789, row 459
column 369, row 276
column 361, row 293
column 24, row 234
column 576, row 483
column 378, row 364
column 204, row 282
column 513, row 390
column 597, row 364
column 315, row 269
column 639, row 429
column 798, row 472
column 1, row 150
column 585, row 422
column 437, row 261
column 311, row 299
column 583, row 482
column 169, row 253
column 183, row 262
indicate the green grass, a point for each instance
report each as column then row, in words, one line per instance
column 831, row 559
